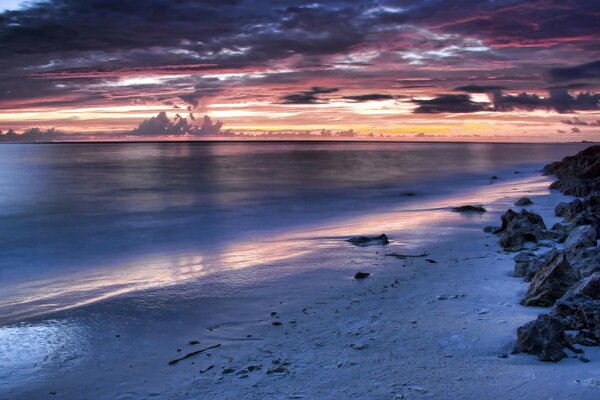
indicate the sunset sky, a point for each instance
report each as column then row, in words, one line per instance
column 500, row 70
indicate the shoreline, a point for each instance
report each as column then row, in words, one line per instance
column 87, row 288
column 413, row 329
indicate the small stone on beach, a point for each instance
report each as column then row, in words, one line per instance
column 361, row 275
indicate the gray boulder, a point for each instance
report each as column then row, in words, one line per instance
column 581, row 236
column 552, row 281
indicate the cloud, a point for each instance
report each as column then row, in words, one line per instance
column 577, row 121
column 449, row 103
column 369, row 97
column 479, row 88
column 583, row 71
column 32, row 135
column 574, row 121
column 575, row 130
column 307, row 97
column 558, row 99
column 162, row 125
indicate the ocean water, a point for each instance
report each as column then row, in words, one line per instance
column 80, row 222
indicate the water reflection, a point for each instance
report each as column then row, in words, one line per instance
column 411, row 226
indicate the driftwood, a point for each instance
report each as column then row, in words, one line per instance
column 193, row 353
column 403, row 256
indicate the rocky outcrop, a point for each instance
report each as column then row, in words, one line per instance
column 369, row 241
column 568, row 278
column 520, row 228
column 551, row 281
column 575, row 319
column 579, row 174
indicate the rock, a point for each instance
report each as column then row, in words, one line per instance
column 580, row 310
column 523, row 201
column 585, row 260
column 491, row 229
column 583, row 165
column 578, row 175
column 493, row 177
column 581, row 236
column 369, row 241
column 519, row 228
column 552, row 281
column 361, row 275
column 542, row 337
column 469, row 208
column 569, row 210
column 523, row 261
column 573, row 187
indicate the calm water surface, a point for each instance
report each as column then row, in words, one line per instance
column 74, row 213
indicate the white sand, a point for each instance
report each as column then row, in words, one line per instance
column 413, row 329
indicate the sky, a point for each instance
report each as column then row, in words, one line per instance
column 470, row 70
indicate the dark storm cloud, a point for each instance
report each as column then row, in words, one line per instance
column 88, row 42
column 307, row 97
column 479, row 88
column 369, row 97
column 559, row 100
column 584, row 71
column 449, row 103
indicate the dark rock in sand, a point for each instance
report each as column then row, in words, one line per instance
column 519, row 228
column 523, row 201
column 580, row 310
column 543, row 337
column 469, row 208
column 552, row 281
column 361, row 275
column 369, row 241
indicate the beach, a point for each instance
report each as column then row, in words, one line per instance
column 436, row 318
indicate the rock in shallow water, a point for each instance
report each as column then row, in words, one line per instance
column 523, row 201
column 551, row 282
column 469, row 208
column 369, row 241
